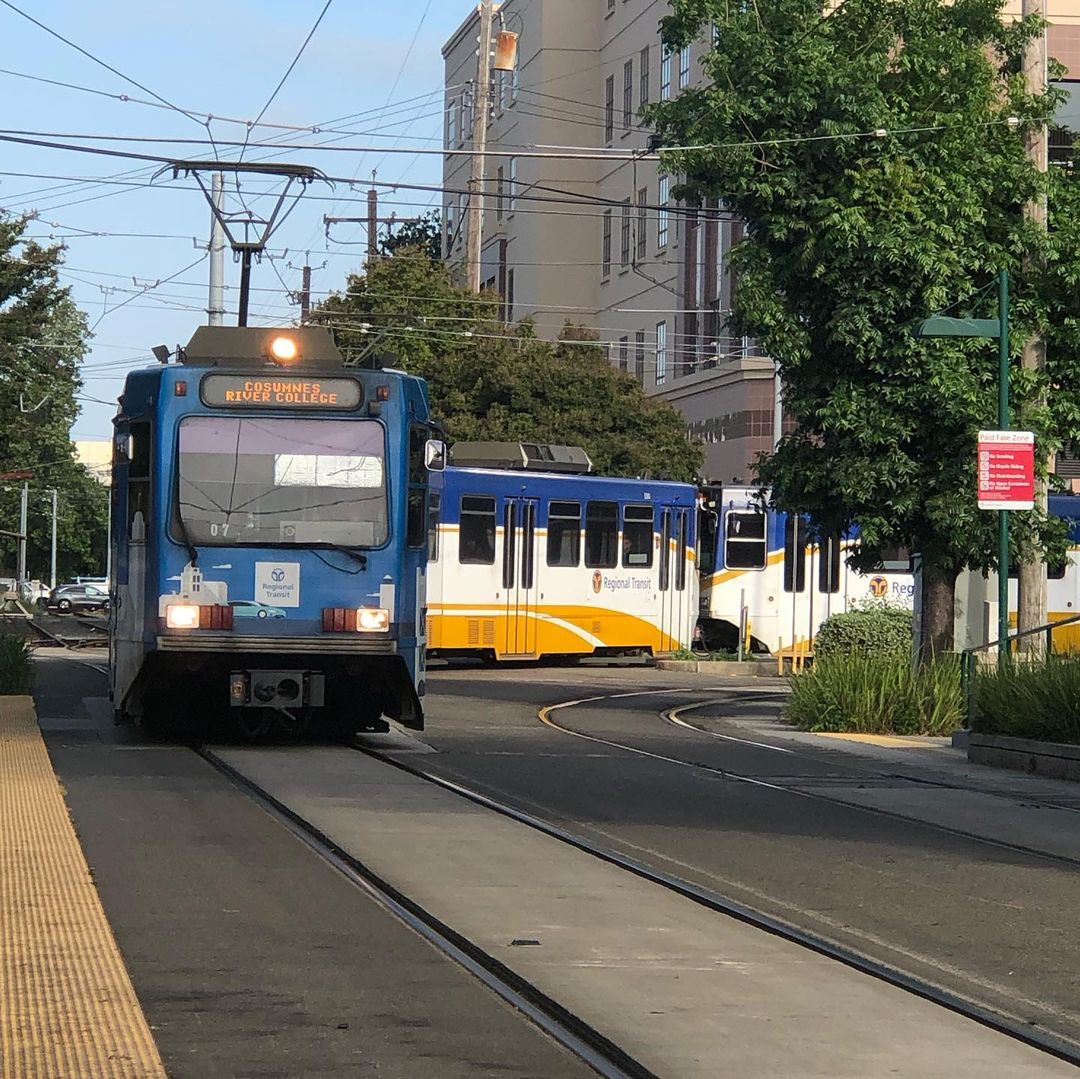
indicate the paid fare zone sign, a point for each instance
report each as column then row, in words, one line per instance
column 1006, row 470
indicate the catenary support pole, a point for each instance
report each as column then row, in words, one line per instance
column 215, row 312
column 52, row 552
column 305, row 294
column 24, row 508
column 1003, row 425
column 481, row 99
column 1031, row 602
column 372, row 224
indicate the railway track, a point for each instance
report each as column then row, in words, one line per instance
column 574, row 1035
column 1015, row 1026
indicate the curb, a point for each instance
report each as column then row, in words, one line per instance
column 750, row 668
column 1052, row 759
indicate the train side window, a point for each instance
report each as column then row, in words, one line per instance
column 476, row 534
column 895, row 559
column 509, row 537
column 708, row 528
column 138, row 500
column 601, row 535
column 829, row 564
column 1055, row 571
column 795, row 533
column 745, row 546
column 665, row 550
column 564, row 534
column 637, row 539
column 415, row 524
column 434, row 505
column 680, row 553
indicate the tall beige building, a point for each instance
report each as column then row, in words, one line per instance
column 649, row 277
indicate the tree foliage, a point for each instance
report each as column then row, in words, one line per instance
column 489, row 380
column 425, row 232
column 42, row 338
column 867, row 146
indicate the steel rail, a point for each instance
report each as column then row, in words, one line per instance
column 572, row 1033
column 1014, row 1026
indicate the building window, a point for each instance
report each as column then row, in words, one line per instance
column 462, row 220
column 661, row 353
column 509, row 295
column 513, row 184
column 601, row 535
column 624, row 244
column 451, row 123
column 665, row 76
column 449, row 216
column 663, row 194
column 500, row 187
column 466, row 116
column 643, row 75
column 684, row 67
column 476, row 531
column 627, row 94
column 609, row 107
column 605, row 255
column 639, row 356
column 642, row 202
column 610, row 6
column 624, row 354
column 564, row 534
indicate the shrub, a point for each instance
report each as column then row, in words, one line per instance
column 874, row 628
column 1039, row 700
column 879, row 694
column 16, row 673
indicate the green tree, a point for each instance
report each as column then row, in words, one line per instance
column 488, row 380
column 868, row 148
column 42, row 339
column 425, row 232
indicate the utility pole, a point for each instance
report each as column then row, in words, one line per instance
column 372, row 223
column 305, row 293
column 52, row 555
column 215, row 312
column 1031, row 585
column 481, row 97
column 24, row 505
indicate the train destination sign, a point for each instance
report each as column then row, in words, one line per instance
column 1006, row 471
column 277, row 391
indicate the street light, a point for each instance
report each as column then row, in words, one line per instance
column 944, row 326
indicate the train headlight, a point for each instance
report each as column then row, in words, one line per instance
column 283, row 349
column 182, row 616
column 372, row 619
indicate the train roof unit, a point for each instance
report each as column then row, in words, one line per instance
column 292, row 347
column 521, row 457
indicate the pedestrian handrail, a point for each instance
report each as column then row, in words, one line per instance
column 969, row 658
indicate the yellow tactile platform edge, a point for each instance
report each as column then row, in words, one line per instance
column 67, row 1007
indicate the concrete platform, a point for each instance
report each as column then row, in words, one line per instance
column 687, row 992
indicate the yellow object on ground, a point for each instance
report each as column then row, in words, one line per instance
column 67, row 1006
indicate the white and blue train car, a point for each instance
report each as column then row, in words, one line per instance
column 766, row 571
column 268, row 535
column 528, row 562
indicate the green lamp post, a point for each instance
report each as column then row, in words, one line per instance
column 943, row 326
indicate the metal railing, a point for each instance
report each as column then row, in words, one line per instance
column 969, row 657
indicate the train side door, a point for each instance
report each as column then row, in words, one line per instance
column 519, row 576
column 672, row 575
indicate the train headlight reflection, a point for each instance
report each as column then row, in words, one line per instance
column 372, row 619
column 284, row 349
column 182, row 616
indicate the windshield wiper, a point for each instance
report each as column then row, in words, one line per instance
column 185, row 535
column 352, row 552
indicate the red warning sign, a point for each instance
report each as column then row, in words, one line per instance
column 1006, row 462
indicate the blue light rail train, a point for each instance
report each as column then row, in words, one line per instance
column 268, row 535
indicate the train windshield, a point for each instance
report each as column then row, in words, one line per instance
column 256, row 480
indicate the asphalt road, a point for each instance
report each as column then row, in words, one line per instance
column 250, row 955
column 994, row 925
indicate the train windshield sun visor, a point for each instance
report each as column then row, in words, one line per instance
column 282, row 481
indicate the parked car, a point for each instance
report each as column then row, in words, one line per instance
column 249, row 608
column 78, row 597
column 34, row 592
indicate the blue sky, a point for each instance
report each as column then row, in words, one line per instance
column 222, row 59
